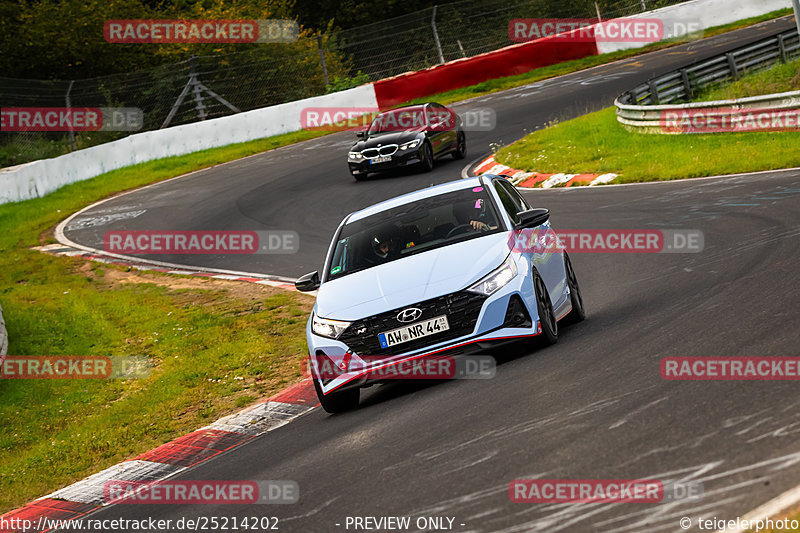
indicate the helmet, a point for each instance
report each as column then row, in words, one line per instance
column 386, row 241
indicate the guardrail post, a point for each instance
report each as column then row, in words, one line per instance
column 654, row 92
column 732, row 66
column 782, row 48
column 687, row 86
column 71, row 131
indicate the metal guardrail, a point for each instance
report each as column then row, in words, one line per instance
column 643, row 108
column 684, row 84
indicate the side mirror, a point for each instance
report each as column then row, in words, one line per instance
column 309, row 282
column 533, row 217
column 361, row 134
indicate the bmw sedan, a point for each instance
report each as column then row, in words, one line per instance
column 412, row 136
column 444, row 270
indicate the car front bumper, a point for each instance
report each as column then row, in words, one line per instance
column 495, row 325
column 398, row 160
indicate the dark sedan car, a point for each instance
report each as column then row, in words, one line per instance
column 412, row 136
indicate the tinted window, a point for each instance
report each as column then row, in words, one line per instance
column 413, row 228
column 511, row 204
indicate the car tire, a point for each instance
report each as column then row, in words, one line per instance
column 547, row 316
column 426, row 164
column 578, row 312
column 337, row 402
column 461, row 146
column 360, row 177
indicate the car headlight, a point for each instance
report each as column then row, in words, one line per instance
column 324, row 327
column 496, row 279
column 410, row 144
column 356, row 156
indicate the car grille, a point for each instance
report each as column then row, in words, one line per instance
column 462, row 309
column 389, row 149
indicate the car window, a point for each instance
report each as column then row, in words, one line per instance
column 413, row 228
column 510, row 204
column 519, row 199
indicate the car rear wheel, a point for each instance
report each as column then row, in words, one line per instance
column 547, row 316
column 578, row 312
column 337, row 402
column 461, row 146
column 426, row 165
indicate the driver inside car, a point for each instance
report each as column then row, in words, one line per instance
column 386, row 243
column 471, row 213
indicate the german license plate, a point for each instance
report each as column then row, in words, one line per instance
column 414, row 331
column 380, row 159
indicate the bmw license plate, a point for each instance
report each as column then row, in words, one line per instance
column 414, row 331
column 380, row 159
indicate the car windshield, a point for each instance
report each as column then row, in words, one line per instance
column 413, row 228
column 407, row 119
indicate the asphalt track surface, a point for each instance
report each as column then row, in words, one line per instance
column 593, row 405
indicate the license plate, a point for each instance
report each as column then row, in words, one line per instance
column 414, row 331
column 380, row 159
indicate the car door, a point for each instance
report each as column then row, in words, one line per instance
column 548, row 263
column 448, row 124
column 435, row 133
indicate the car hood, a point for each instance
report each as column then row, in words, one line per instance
column 388, row 138
column 412, row 279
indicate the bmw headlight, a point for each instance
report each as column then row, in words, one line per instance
column 355, row 156
column 410, row 144
column 497, row 279
column 324, row 327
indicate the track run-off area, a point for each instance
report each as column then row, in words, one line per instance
column 592, row 406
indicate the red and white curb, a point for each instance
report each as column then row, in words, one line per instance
column 69, row 251
column 169, row 459
column 520, row 178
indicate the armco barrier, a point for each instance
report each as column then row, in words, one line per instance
column 523, row 57
column 41, row 177
column 515, row 59
column 646, row 108
column 38, row 178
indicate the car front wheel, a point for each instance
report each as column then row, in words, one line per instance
column 461, row 146
column 547, row 316
column 337, row 402
column 426, row 164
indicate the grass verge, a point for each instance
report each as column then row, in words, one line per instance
column 216, row 346
column 779, row 79
column 597, row 143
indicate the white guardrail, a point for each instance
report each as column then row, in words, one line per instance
column 35, row 179
column 659, row 118
column 38, row 178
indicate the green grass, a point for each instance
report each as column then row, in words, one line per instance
column 779, row 79
column 597, row 143
column 200, row 334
